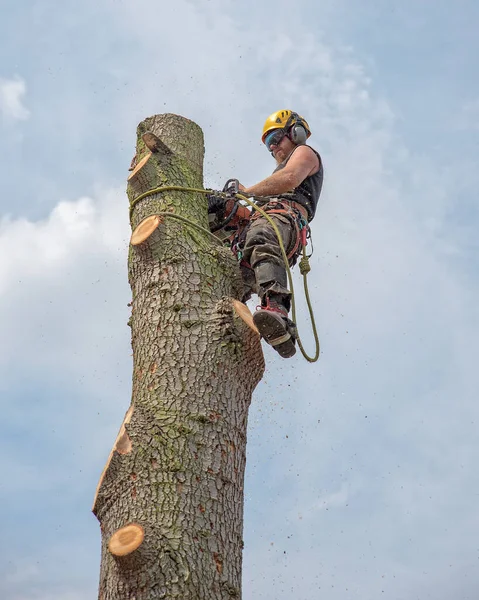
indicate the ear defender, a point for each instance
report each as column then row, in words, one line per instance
column 297, row 134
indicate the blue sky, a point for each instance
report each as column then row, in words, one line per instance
column 362, row 469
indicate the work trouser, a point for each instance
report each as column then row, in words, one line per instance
column 264, row 272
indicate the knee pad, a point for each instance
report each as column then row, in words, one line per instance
column 269, row 272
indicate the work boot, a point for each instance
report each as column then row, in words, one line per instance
column 275, row 327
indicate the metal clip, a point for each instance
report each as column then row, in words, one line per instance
column 231, row 187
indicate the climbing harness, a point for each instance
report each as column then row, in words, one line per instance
column 294, row 216
column 232, row 192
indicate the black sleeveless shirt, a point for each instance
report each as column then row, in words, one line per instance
column 308, row 191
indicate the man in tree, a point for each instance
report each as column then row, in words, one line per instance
column 289, row 196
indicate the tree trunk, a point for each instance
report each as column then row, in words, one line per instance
column 170, row 499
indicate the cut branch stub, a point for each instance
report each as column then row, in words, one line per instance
column 145, row 229
column 154, row 144
column 126, row 540
column 244, row 313
column 139, row 166
column 122, row 445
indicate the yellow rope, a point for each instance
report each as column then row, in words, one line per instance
column 304, row 265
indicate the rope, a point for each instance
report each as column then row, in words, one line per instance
column 304, row 265
column 192, row 223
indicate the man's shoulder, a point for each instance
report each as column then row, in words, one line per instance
column 305, row 151
column 306, row 154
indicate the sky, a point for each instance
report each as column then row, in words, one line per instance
column 361, row 477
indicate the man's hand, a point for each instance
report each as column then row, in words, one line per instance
column 216, row 204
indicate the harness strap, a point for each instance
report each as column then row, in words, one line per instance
column 292, row 214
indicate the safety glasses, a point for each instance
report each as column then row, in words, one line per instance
column 274, row 138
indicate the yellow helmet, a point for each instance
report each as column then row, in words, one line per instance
column 285, row 119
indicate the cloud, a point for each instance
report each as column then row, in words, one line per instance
column 66, row 367
column 74, row 228
column 12, row 92
column 64, row 387
column 58, row 269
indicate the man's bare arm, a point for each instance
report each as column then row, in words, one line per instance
column 302, row 163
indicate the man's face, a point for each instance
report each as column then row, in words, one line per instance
column 281, row 150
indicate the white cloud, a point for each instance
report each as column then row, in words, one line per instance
column 12, row 92
column 72, row 230
column 57, row 269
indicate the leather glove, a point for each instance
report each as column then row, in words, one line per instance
column 216, row 203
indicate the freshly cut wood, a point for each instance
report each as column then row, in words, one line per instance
column 145, row 229
column 139, row 166
column 122, row 445
column 244, row 313
column 126, row 540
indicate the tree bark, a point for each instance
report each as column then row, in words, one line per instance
column 170, row 498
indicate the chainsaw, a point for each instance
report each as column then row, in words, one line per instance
column 225, row 213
